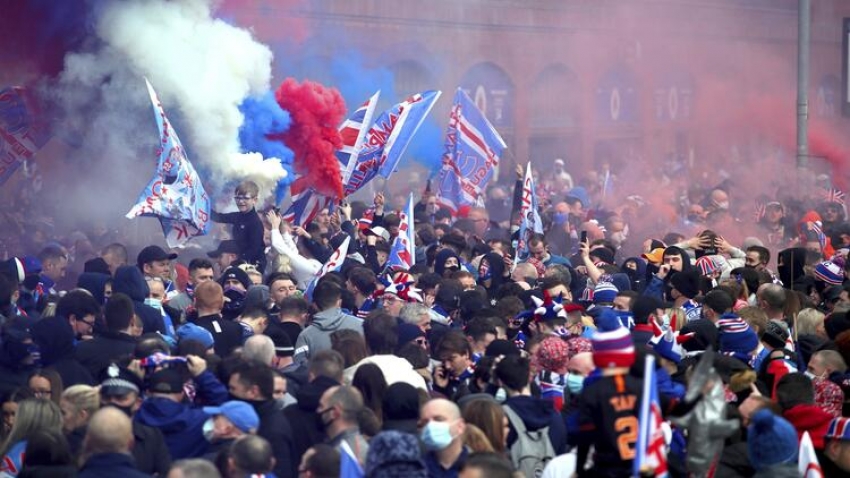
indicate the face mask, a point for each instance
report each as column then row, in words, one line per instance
column 155, row 303
column 722, row 205
column 322, row 417
column 560, row 218
column 280, row 403
column 209, row 428
column 811, row 375
column 575, row 383
column 236, row 296
column 665, row 320
column 453, row 268
column 436, row 435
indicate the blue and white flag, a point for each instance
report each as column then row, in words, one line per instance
column 651, row 448
column 353, row 131
column 529, row 214
column 333, row 264
column 349, row 467
column 175, row 195
column 387, row 139
column 473, row 149
column 403, row 253
column 22, row 131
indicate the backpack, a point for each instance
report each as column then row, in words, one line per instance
column 532, row 450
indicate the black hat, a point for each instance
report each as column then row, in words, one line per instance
column 283, row 346
column 97, row 265
column 153, row 254
column 501, row 347
column 229, row 246
column 687, row 283
column 167, row 380
column 234, row 272
column 118, row 381
column 775, row 335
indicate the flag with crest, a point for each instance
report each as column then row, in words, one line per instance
column 175, row 195
column 473, row 148
column 651, row 448
column 529, row 216
column 403, row 253
column 333, row 264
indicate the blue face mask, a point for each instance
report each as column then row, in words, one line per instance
column 436, row 435
column 575, row 383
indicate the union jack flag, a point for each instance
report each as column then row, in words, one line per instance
column 651, row 449
column 306, row 202
column 761, row 208
column 833, row 195
column 403, row 253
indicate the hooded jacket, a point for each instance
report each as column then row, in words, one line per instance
column 94, row 282
column 317, row 336
column 791, row 263
column 55, row 339
column 812, row 419
column 496, row 271
column 441, row 258
column 637, row 278
column 181, row 424
column 537, row 413
column 130, row 281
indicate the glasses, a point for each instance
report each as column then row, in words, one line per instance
column 41, row 393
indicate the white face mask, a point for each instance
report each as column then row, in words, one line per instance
column 501, row 395
column 155, row 303
column 209, row 430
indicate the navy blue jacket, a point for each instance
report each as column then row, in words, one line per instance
column 537, row 413
column 110, row 465
column 248, row 234
column 130, row 281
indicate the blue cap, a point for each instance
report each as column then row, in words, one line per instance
column 241, row 414
column 190, row 331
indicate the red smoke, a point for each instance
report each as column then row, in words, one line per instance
column 316, row 112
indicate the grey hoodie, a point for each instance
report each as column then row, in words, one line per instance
column 317, row 336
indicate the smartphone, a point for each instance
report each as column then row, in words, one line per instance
column 583, row 236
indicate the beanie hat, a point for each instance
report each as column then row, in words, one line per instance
column 829, row 272
column 775, row 334
column 666, row 343
column 501, row 347
column 577, row 345
column 190, row 331
column 839, row 429
column 612, row 343
column 553, row 355
column 687, row 283
column 736, row 337
column 234, row 272
column 708, row 265
column 603, row 254
column 394, row 454
column 408, row 333
column 604, row 293
column 771, row 440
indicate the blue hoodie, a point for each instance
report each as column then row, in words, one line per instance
column 130, row 281
column 181, row 424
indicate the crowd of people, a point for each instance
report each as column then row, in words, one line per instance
column 474, row 361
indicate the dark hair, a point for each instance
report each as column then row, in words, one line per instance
column 492, row 465
column 8, row 286
column 416, row 355
column 370, row 380
column 479, row 327
column 47, row 447
column 453, row 342
column 77, row 303
column 324, row 462
column 118, row 312
column 252, row 454
column 292, row 306
column 350, row 345
column 719, row 301
column 149, row 344
column 280, row 276
column 381, row 333
column 794, row 389
column 363, row 279
column 326, row 294
column 256, row 373
column 763, row 252
column 52, row 252
column 199, row 263
column 513, row 371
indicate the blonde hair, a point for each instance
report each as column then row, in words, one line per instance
column 34, row 414
column 808, row 321
column 476, row 440
column 680, row 315
column 83, row 398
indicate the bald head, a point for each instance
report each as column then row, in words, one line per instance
column 109, row 431
column 209, row 298
column 581, row 364
column 259, row 348
column 524, row 271
column 441, row 410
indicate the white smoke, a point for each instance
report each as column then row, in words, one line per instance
column 201, row 67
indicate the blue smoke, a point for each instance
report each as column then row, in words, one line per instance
column 264, row 117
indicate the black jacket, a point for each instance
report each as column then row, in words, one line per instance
column 275, row 428
column 108, row 465
column 55, row 339
column 248, row 234
column 96, row 354
column 307, row 428
column 226, row 334
column 129, row 280
column 149, row 450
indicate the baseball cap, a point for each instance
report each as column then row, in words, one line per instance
column 228, row 246
column 380, row 232
column 167, row 380
column 152, row 254
column 241, row 414
column 654, row 256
